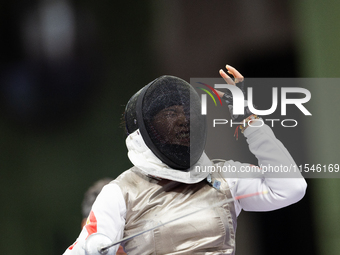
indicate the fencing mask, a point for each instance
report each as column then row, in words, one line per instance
column 167, row 113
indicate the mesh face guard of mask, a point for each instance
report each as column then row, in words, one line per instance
column 167, row 112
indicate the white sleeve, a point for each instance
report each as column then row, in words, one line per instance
column 107, row 217
column 281, row 191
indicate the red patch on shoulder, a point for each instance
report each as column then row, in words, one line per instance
column 91, row 224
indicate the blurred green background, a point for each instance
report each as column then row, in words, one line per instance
column 67, row 69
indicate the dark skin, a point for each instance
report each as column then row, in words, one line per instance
column 177, row 128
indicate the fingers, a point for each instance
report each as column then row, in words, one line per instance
column 226, row 77
column 220, row 93
column 238, row 77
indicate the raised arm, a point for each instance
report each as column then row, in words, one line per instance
column 284, row 188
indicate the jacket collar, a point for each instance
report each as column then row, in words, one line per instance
column 143, row 158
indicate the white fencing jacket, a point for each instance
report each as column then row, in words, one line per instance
column 109, row 211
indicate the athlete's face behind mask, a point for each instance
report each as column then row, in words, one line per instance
column 173, row 126
column 167, row 113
